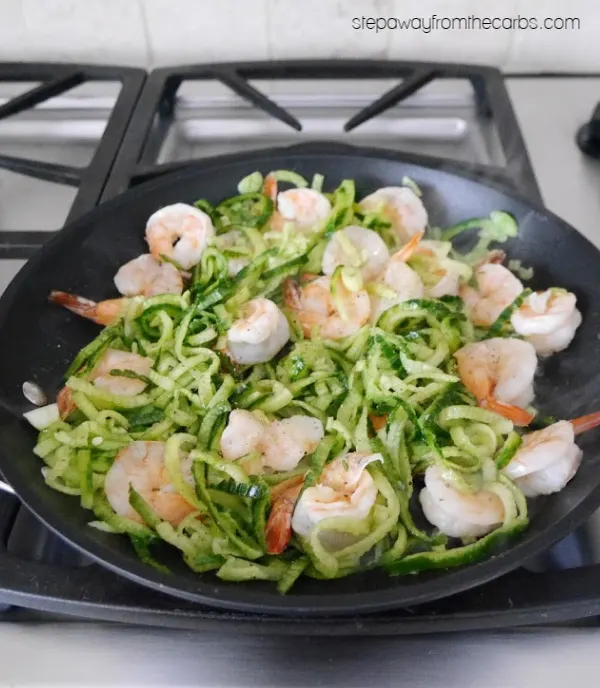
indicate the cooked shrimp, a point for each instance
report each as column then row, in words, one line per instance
column 458, row 514
column 180, row 232
column 548, row 320
column 443, row 274
column 316, row 309
column 259, row 334
column 447, row 285
column 281, row 444
column 113, row 359
column 400, row 206
column 402, row 279
column 446, row 271
column 549, row 458
column 286, row 442
column 358, row 247
column 400, row 283
column 142, row 465
column 496, row 289
column 306, row 208
column 147, row 277
column 244, row 434
column 546, row 460
column 278, row 530
column 499, row 373
column 101, row 312
column 345, row 489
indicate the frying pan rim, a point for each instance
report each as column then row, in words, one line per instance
column 246, row 599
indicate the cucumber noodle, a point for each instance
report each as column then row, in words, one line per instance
column 403, row 369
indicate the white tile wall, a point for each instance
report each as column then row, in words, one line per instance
column 159, row 32
column 97, row 31
column 558, row 50
column 323, row 28
column 182, row 31
column 486, row 47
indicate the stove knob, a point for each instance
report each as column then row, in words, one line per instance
column 588, row 136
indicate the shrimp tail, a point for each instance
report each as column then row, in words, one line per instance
column 65, row 403
column 270, row 187
column 284, row 486
column 585, row 423
column 76, row 304
column 103, row 313
column 378, row 422
column 278, row 531
column 495, row 257
column 518, row 415
column 291, row 294
column 410, row 247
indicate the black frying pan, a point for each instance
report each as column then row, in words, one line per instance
column 38, row 341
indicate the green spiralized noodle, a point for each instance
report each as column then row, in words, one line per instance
column 251, row 183
column 390, row 388
column 173, row 463
column 478, row 439
column 452, row 414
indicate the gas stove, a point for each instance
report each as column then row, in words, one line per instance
column 74, row 136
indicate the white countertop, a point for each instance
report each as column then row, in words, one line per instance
column 550, row 111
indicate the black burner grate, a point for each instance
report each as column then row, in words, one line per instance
column 154, row 114
column 55, row 80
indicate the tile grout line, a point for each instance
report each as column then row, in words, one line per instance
column 146, row 31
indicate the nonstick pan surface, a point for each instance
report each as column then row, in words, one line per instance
column 38, row 341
